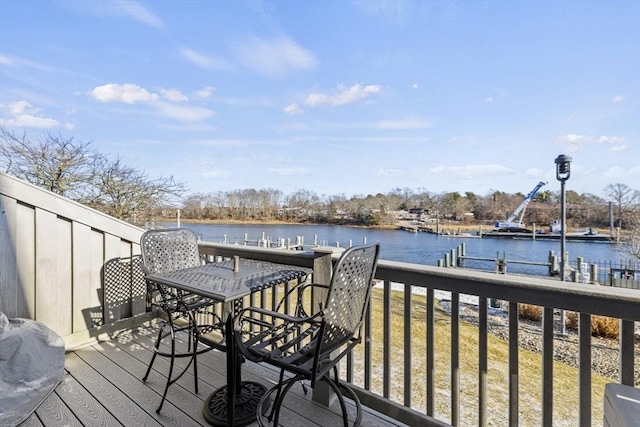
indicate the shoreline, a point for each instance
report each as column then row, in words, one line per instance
column 276, row 222
column 447, row 226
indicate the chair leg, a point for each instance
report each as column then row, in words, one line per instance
column 156, row 348
column 279, row 390
column 193, row 339
column 278, row 402
column 196, row 340
column 343, row 406
column 169, row 381
column 337, row 385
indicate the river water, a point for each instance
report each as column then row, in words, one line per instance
column 420, row 248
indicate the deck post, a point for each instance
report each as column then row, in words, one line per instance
column 322, row 270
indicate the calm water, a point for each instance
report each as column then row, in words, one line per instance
column 420, row 248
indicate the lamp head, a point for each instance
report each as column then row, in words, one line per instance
column 563, row 167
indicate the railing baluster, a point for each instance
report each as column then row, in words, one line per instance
column 408, row 378
column 482, row 361
column 430, row 351
column 386, row 349
column 349, row 363
column 367, row 348
column 547, row 367
column 626, row 352
column 455, row 358
column 584, row 384
column 513, row 364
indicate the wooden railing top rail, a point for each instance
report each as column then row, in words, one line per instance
column 593, row 299
column 586, row 298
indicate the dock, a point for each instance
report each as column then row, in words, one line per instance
column 602, row 238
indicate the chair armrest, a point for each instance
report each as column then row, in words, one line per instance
column 247, row 314
column 300, row 290
column 277, row 315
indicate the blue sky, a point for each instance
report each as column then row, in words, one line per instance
column 352, row 97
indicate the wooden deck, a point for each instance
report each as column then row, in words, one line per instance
column 102, row 386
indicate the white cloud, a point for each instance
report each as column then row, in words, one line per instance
column 126, row 93
column 275, row 57
column 573, row 138
column 140, row 13
column 205, row 61
column 215, row 173
column 290, row 171
column 5, row 60
column 205, row 93
column 471, row 171
column 621, row 174
column 534, row 172
column 183, row 112
column 29, row 121
column 416, row 123
column 573, row 148
column 396, row 11
column 389, row 172
column 18, row 62
column 225, row 142
column 610, row 140
column 619, row 148
column 293, row 109
column 575, row 143
column 389, row 139
column 23, row 114
column 415, row 86
column 489, row 100
column 173, row 95
column 342, row 95
column 618, row 98
column 117, row 8
column 132, row 94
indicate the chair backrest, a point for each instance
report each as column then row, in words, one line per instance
column 165, row 250
column 349, row 294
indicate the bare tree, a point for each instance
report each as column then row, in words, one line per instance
column 632, row 239
column 128, row 193
column 74, row 170
column 625, row 200
column 56, row 163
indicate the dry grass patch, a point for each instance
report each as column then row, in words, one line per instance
column 601, row 326
column 530, row 312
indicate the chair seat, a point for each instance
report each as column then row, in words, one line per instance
column 188, row 302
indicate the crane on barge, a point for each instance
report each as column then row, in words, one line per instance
column 518, row 227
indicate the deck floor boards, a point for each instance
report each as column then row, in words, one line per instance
column 103, row 386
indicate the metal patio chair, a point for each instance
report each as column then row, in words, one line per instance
column 166, row 250
column 310, row 345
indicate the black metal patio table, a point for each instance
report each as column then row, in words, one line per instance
column 228, row 282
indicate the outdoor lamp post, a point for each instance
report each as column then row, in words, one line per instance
column 563, row 171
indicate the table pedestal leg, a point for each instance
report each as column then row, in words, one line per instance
column 235, row 404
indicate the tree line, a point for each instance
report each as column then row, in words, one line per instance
column 75, row 170
column 382, row 208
